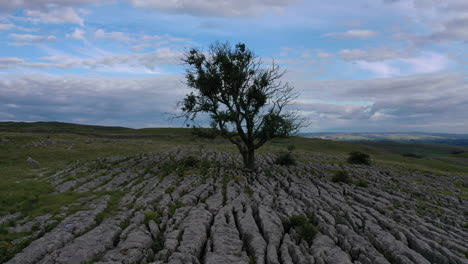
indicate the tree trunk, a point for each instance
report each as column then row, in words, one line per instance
column 249, row 158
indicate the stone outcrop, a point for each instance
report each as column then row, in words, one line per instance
column 211, row 211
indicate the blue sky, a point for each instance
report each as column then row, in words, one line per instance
column 363, row 65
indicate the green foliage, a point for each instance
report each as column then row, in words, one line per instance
column 298, row 220
column 361, row 183
column 169, row 190
column 342, row 176
column 412, row 155
column 155, row 216
column 291, row 147
column 305, row 226
column 457, row 152
column 173, row 207
column 285, row 159
column 208, row 133
column 190, row 162
column 358, row 157
column 459, row 183
column 244, row 101
column 112, row 206
column 3, row 230
column 248, row 191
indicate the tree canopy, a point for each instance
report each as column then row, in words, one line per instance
column 245, row 100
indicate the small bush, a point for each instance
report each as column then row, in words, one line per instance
column 291, row 147
column 155, row 216
column 357, row 157
column 304, row 227
column 411, row 155
column 362, row 183
column 285, row 159
column 456, row 152
column 3, row 230
column 190, row 162
column 169, row 190
column 298, row 220
column 201, row 132
column 342, row 176
column 173, row 207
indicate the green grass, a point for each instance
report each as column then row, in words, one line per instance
column 173, row 207
column 305, row 226
column 438, row 158
column 112, row 205
column 22, row 191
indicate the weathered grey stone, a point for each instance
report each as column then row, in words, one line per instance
column 229, row 215
column 32, row 162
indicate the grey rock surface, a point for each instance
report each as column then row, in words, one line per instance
column 157, row 209
column 32, row 162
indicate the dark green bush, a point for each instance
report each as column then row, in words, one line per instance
column 297, row 220
column 304, row 226
column 190, row 162
column 342, row 176
column 202, row 132
column 150, row 215
column 285, row 159
column 456, row 152
column 362, row 183
column 411, row 155
column 291, row 147
column 357, row 157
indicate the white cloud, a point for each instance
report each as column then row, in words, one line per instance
column 28, row 39
column 55, row 16
column 373, row 54
column 387, row 62
column 447, row 20
column 379, row 68
column 136, row 63
column 116, row 36
column 6, row 26
column 390, row 104
column 77, row 34
column 44, row 4
column 98, row 100
column 428, row 62
column 217, row 8
column 354, row 33
column 10, row 62
column 323, row 54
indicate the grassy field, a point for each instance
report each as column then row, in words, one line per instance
column 22, row 191
column 58, row 145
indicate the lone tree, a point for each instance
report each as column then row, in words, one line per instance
column 245, row 101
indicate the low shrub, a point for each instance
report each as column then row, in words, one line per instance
column 190, row 162
column 150, row 215
column 169, row 190
column 291, row 147
column 357, row 157
column 342, row 176
column 304, row 226
column 173, row 207
column 285, row 159
column 202, row 132
column 361, row 183
column 411, row 155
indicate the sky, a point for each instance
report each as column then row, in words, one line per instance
column 357, row 66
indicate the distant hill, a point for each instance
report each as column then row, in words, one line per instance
column 91, row 130
column 413, row 137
